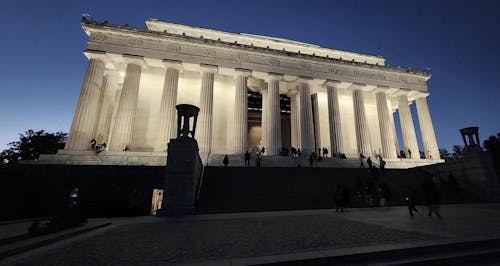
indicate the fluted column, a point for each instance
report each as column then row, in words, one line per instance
column 106, row 107
column 362, row 132
column 167, row 116
column 84, row 120
column 241, row 113
column 384, row 120
column 306, row 119
column 204, row 130
column 334, row 118
column 294, row 119
column 121, row 135
column 264, row 113
column 426, row 128
column 273, row 126
column 407, row 127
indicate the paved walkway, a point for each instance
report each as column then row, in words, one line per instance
column 245, row 238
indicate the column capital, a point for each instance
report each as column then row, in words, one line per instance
column 420, row 95
column 175, row 64
column 292, row 92
column 382, row 89
column 239, row 72
column 332, row 83
column 273, row 76
column 209, row 68
column 95, row 54
column 134, row 59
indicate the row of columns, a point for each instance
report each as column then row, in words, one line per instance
column 95, row 108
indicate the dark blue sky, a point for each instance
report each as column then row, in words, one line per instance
column 42, row 65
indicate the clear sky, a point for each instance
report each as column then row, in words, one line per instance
column 42, row 65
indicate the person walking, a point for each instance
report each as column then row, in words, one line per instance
column 410, row 200
column 247, row 158
column 225, row 161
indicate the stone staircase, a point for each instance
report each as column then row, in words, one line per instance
column 238, row 160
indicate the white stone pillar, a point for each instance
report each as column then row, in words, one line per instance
column 334, row 118
column 273, row 127
column 204, row 128
column 384, row 119
column 362, row 132
column 407, row 127
column 84, row 120
column 106, row 107
column 294, row 119
column 241, row 112
column 167, row 115
column 431, row 148
column 306, row 119
column 264, row 112
column 121, row 135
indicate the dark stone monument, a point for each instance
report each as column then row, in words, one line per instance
column 184, row 166
column 470, row 136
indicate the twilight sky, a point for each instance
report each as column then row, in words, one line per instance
column 42, row 65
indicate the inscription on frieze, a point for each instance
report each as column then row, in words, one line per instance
column 209, row 52
column 243, row 57
column 305, row 65
column 173, row 47
column 135, row 42
column 97, row 37
column 274, row 61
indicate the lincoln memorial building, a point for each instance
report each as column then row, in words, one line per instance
column 253, row 91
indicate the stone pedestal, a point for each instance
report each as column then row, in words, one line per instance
column 182, row 178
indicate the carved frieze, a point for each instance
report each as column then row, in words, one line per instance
column 305, row 65
column 135, row 41
column 243, row 57
column 97, row 37
column 173, row 47
column 274, row 61
column 209, row 52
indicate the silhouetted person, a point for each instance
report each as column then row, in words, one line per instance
column 339, row 198
column 325, row 152
column 225, row 161
column 126, row 148
column 369, row 162
column 258, row 159
column 247, row 158
column 432, row 197
column 361, row 164
column 409, row 153
column 93, row 142
column 298, row 152
column 410, row 200
column 263, row 150
column 311, row 159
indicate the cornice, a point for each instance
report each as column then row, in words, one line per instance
column 103, row 27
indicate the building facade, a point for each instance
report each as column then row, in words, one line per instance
column 252, row 91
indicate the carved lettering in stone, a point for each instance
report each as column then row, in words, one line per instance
column 356, row 73
column 403, row 79
column 209, row 52
column 173, row 47
column 243, row 57
column 97, row 37
column 332, row 69
column 274, row 61
column 135, row 41
column 305, row 65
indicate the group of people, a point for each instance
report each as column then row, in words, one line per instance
column 369, row 162
column 97, row 148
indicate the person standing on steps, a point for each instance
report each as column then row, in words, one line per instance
column 369, row 162
column 361, row 164
column 409, row 154
column 225, row 161
column 247, row 158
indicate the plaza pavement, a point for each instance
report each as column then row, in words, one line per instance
column 265, row 237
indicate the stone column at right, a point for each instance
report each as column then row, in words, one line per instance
column 334, row 119
column 306, row 118
column 121, row 135
column 407, row 128
column 241, row 112
column 384, row 118
column 167, row 114
column 204, row 132
column 362, row 133
column 431, row 148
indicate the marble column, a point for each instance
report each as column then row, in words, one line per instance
column 294, row 119
column 407, row 127
column 121, row 135
column 264, row 112
column 306, row 119
column 362, row 132
column 84, row 120
column 106, row 107
column 204, row 128
column 426, row 128
column 384, row 119
column 167, row 115
column 241, row 112
column 273, row 127
column 334, row 119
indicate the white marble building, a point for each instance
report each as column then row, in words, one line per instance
column 340, row 100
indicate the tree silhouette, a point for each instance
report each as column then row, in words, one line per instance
column 31, row 144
